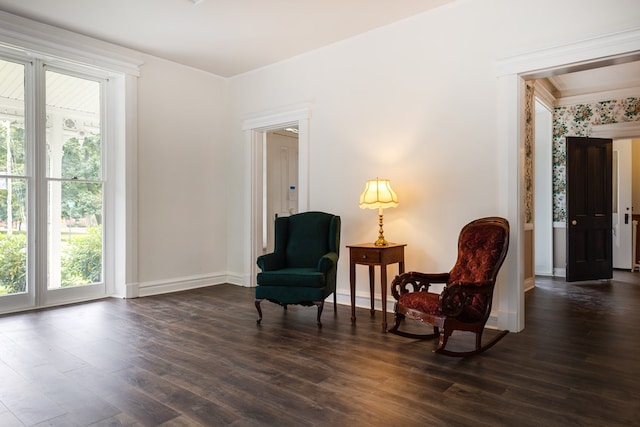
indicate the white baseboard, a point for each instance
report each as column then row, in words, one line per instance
column 560, row 272
column 157, row 287
column 362, row 301
column 529, row 283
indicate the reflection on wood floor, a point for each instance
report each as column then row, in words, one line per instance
column 198, row 358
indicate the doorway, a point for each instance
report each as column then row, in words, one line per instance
column 512, row 73
column 256, row 128
column 621, row 213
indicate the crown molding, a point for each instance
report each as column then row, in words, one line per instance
column 47, row 41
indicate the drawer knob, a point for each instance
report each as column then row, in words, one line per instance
column 364, row 257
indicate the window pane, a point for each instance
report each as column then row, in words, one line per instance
column 13, row 236
column 73, row 127
column 75, row 233
column 11, row 118
column 13, row 190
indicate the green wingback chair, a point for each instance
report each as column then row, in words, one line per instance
column 302, row 268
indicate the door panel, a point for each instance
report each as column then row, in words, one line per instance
column 74, row 177
column 589, row 209
column 282, row 178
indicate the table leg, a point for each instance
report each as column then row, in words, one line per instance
column 372, row 290
column 352, row 286
column 383, row 283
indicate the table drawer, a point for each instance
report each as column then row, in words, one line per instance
column 365, row 256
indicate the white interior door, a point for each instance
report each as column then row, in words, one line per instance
column 621, row 218
column 282, row 177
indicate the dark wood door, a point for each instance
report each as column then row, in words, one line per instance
column 589, row 209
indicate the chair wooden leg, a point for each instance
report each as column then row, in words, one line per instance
column 335, row 303
column 320, row 305
column 442, row 341
column 258, row 301
column 398, row 318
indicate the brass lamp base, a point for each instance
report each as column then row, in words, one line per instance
column 381, row 240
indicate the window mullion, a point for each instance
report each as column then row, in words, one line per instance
column 38, row 147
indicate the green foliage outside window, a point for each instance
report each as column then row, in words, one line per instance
column 13, row 263
column 81, row 159
column 82, row 259
column 12, row 160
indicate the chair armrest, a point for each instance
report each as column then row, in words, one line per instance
column 456, row 296
column 271, row 261
column 327, row 262
column 414, row 281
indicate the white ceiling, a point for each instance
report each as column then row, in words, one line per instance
column 231, row 37
column 224, row 37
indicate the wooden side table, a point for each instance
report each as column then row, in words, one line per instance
column 371, row 255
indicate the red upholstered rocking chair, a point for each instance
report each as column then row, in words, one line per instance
column 465, row 302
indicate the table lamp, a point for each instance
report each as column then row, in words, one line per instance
column 378, row 194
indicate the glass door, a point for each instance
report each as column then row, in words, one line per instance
column 74, row 182
column 16, row 289
column 52, row 185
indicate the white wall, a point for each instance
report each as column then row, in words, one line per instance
column 182, row 177
column 543, row 216
column 415, row 102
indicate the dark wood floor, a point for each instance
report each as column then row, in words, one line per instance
column 198, row 358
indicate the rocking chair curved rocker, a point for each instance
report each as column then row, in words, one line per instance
column 465, row 302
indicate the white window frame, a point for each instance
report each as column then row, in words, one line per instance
column 23, row 39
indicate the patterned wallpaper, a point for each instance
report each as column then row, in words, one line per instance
column 529, row 132
column 578, row 120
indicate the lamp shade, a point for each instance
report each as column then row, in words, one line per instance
column 378, row 194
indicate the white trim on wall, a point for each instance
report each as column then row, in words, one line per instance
column 632, row 92
column 616, row 130
column 581, row 55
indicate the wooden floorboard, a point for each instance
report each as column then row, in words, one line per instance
column 198, row 358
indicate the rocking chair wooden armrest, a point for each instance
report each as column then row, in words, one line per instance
column 456, row 296
column 414, row 281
